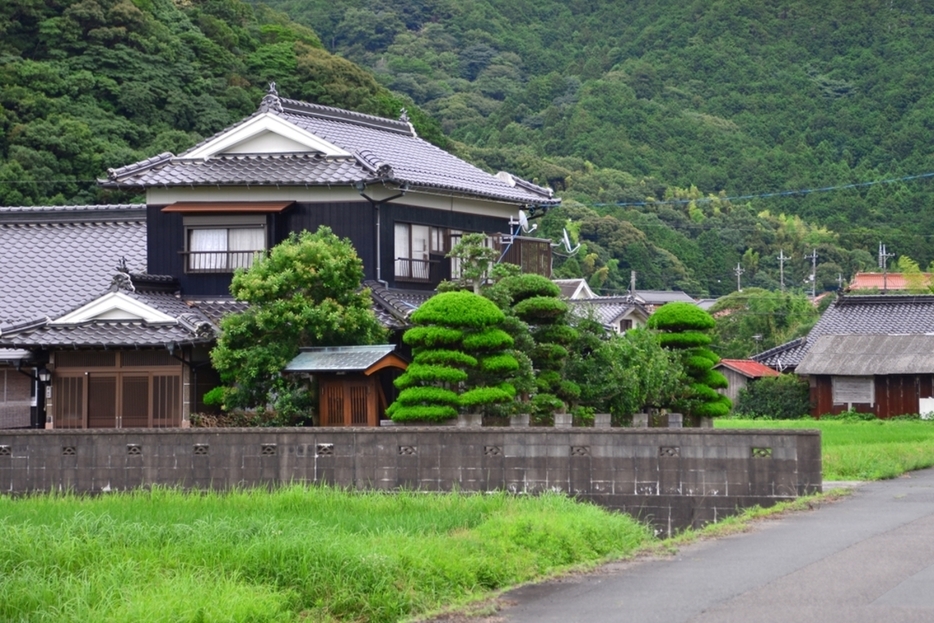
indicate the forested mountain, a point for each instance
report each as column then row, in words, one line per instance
column 618, row 101
column 91, row 84
column 611, row 103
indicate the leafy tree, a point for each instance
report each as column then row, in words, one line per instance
column 460, row 359
column 622, row 374
column 305, row 293
column 754, row 320
column 683, row 328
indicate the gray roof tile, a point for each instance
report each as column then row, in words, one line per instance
column 606, row 309
column 859, row 315
column 192, row 327
column 54, row 258
column 383, row 147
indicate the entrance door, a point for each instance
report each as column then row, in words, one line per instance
column 102, row 400
column 348, row 401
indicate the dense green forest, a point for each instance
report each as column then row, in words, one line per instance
column 645, row 116
column 616, row 102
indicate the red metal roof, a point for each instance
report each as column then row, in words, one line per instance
column 748, row 368
column 891, row 281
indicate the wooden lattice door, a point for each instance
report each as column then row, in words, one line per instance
column 348, row 401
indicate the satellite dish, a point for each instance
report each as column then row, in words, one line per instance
column 524, row 223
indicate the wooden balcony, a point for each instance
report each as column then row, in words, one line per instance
column 532, row 255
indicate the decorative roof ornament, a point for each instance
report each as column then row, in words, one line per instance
column 122, row 282
column 404, row 115
column 271, row 101
column 121, row 265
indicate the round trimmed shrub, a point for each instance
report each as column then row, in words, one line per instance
column 521, row 287
column 458, row 309
column 681, row 317
column 688, row 339
column 490, row 339
column 446, row 358
column 431, row 337
column 539, row 309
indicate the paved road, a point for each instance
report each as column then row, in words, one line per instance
column 867, row 558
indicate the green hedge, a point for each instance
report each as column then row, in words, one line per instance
column 419, row 373
column 430, row 337
column 681, row 317
column 446, row 358
column 688, row 339
column 540, row 309
column 489, row 340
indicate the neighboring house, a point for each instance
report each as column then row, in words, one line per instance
column 616, row 313
column 887, row 375
column 294, row 166
column 127, row 342
column 890, row 282
column 55, row 258
column 574, row 289
column 653, row 299
column 740, row 373
column 852, row 356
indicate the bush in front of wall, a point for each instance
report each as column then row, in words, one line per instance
column 783, row 397
column 458, row 359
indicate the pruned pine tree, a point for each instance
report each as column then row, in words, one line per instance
column 684, row 327
column 460, row 359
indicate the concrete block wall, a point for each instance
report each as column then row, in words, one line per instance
column 674, row 479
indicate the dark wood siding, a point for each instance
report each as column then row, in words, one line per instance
column 355, row 220
column 895, row 395
column 392, row 213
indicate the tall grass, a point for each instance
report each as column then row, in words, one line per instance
column 311, row 554
column 862, row 450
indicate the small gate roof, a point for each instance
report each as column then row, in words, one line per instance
column 365, row 359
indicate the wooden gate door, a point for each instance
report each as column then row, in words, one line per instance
column 102, row 400
column 348, row 401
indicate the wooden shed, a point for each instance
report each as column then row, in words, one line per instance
column 739, row 373
column 887, row 375
column 349, row 388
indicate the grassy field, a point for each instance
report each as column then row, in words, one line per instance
column 295, row 554
column 862, row 450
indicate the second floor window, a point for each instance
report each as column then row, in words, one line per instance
column 414, row 245
column 215, row 245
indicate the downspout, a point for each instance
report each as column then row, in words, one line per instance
column 193, row 367
column 361, row 188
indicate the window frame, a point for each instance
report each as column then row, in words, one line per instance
column 228, row 222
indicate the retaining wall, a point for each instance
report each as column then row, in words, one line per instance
column 674, row 479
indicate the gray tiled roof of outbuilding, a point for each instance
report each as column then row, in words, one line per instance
column 54, row 258
column 859, row 315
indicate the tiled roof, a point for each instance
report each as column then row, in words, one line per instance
column 55, row 257
column 868, row 355
column 606, row 309
column 339, row 358
column 191, row 327
column 383, row 150
column 397, row 304
column 859, row 315
column 748, row 368
column 215, row 309
column 660, row 297
column 253, row 169
column 574, row 288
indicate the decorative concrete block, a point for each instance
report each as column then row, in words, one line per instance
column 466, row 420
column 563, row 420
column 601, row 420
column 640, row 420
column 519, row 420
column 675, row 420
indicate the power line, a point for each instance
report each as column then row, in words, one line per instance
column 767, row 195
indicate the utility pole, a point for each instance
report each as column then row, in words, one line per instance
column 840, row 281
column 781, row 266
column 739, row 271
column 883, row 264
column 813, row 258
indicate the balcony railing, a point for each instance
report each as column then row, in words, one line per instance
column 218, row 261
column 425, row 271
